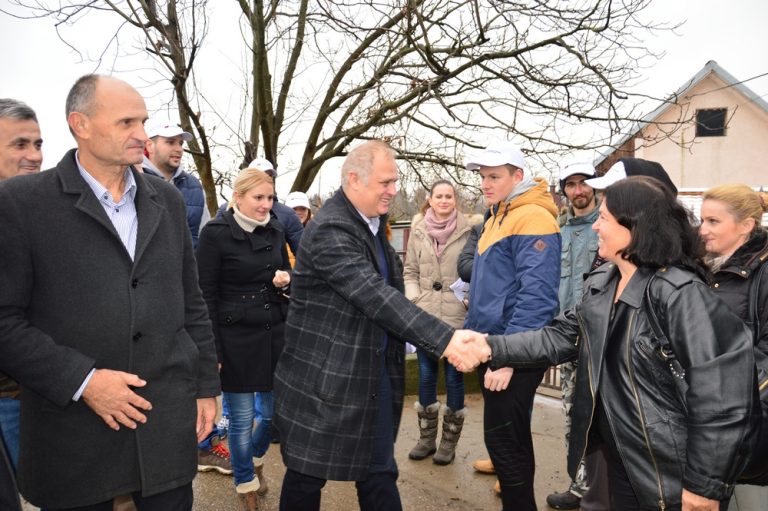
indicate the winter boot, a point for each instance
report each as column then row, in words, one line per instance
column 453, row 422
column 427, row 430
column 258, row 469
column 248, row 495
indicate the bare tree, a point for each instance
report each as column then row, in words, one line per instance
column 434, row 78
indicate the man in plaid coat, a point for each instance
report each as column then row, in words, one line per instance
column 339, row 382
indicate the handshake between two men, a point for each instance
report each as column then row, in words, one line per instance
column 467, row 350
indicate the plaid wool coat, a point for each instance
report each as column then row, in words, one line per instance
column 328, row 374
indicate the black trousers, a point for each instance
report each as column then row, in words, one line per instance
column 507, row 426
column 301, row 492
column 178, row 499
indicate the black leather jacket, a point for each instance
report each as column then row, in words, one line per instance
column 665, row 442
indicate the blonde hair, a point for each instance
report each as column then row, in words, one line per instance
column 360, row 159
column 742, row 201
column 247, row 179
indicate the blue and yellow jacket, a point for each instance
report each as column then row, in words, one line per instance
column 516, row 272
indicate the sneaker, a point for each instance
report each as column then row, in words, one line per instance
column 484, row 466
column 223, row 426
column 564, row 500
column 216, row 459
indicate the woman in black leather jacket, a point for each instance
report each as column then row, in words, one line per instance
column 673, row 438
column 737, row 248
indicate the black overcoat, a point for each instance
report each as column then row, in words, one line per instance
column 248, row 314
column 327, row 378
column 72, row 300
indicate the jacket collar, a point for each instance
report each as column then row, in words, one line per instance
column 606, row 277
column 238, row 233
column 148, row 209
column 749, row 256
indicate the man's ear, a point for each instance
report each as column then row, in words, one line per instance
column 79, row 124
column 149, row 146
column 354, row 180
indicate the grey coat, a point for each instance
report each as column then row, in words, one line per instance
column 327, row 377
column 72, row 300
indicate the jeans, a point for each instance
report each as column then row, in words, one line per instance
column 245, row 441
column 454, row 382
column 9, row 428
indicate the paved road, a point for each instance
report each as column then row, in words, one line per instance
column 423, row 485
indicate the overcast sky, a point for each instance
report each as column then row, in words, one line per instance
column 39, row 69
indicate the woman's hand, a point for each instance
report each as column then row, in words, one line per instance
column 499, row 379
column 281, row 279
column 693, row 502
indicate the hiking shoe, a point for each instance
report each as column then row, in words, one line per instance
column 564, row 500
column 216, row 459
column 484, row 466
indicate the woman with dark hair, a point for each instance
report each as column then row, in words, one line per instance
column 437, row 237
column 666, row 385
column 243, row 267
column 737, row 250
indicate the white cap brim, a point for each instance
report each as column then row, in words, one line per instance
column 615, row 174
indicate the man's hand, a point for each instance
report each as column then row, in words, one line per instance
column 499, row 379
column 206, row 414
column 110, row 396
column 467, row 350
column 693, row 502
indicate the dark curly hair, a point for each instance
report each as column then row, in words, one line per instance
column 663, row 230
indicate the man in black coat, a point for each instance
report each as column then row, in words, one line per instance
column 339, row 382
column 102, row 319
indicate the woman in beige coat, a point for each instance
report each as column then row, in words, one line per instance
column 437, row 237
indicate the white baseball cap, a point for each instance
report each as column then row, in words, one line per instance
column 580, row 168
column 615, row 174
column 297, row 199
column 263, row 165
column 167, row 130
column 497, row 153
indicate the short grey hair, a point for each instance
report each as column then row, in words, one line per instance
column 360, row 159
column 80, row 97
column 16, row 110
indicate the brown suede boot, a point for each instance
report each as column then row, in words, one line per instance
column 453, row 423
column 248, row 496
column 259, row 471
column 427, row 431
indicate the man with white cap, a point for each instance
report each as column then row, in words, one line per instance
column 164, row 149
column 514, row 284
column 579, row 246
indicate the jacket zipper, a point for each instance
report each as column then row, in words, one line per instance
column 662, row 504
column 591, row 389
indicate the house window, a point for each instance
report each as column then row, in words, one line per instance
column 711, row 122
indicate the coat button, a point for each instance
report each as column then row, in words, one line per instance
column 269, row 266
column 136, row 336
column 743, row 272
column 267, row 306
column 716, row 285
column 437, row 286
column 134, row 283
column 378, row 351
column 228, row 320
column 269, row 247
column 373, row 396
column 267, row 327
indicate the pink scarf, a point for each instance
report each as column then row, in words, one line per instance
column 439, row 230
